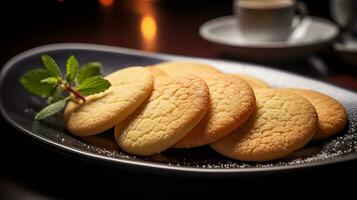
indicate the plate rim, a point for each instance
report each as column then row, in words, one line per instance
column 205, row 34
column 340, row 47
column 143, row 163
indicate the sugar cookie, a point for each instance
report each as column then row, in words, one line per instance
column 175, row 106
column 156, row 71
column 232, row 102
column 252, row 81
column 282, row 123
column 185, row 68
column 130, row 88
column 332, row 115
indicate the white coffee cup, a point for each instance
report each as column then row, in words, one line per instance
column 267, row 20
column 344, row 13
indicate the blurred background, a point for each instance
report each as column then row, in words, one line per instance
column 166, row 26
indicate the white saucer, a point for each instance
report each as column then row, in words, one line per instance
column 311, row 35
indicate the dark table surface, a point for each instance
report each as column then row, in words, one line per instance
column 32, row 170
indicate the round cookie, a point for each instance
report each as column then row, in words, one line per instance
column 282, row 123
column 130, row 88
column 252, row 81
column 175, row 106
column 232, row 102
column 185, row 68
column 156, row 71
column 332, row 115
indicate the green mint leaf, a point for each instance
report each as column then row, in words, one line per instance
column 88, row 70
column 51, row 65
column 55, row 96
column 51, row 109
column 71, row 69
column 50, row 80
column 92, row 85
column 31, row 80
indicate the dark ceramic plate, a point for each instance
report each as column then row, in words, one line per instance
column 18, row 108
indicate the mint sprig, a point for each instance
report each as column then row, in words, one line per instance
column 71, row 69
column 88, row 70
column 31, row 80
column 78, row 83
column 51, row 66
column 92, row 85
column 50, row 80
column 52, row 109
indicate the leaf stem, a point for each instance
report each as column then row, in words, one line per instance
column 71, row 90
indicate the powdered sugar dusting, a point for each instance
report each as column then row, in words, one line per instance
column 343, row 144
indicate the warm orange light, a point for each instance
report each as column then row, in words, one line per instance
column 148, row 27
column 106, row 3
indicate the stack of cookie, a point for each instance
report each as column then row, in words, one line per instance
column 186, row 105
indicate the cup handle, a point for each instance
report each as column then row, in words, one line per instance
column 302, row 10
